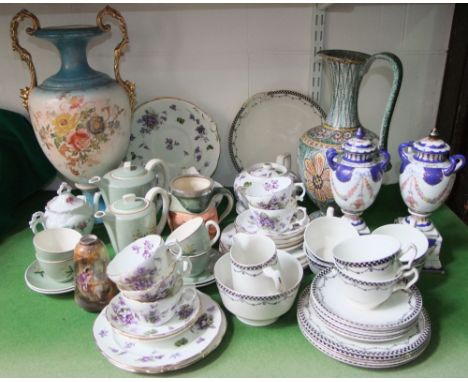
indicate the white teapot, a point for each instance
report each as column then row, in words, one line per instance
column 66, row 211
column 259, row 171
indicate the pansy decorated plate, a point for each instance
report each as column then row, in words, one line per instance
column 269, row 124
column 174, row 353
column 177, row 132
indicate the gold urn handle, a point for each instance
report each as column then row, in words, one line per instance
column 118, row 51
column 24, row 54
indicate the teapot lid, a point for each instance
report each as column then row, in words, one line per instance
column 267, row 169
column 129, row 204
column 359, row 144
column 432, row 144
column 65, row 201
column 128, row 171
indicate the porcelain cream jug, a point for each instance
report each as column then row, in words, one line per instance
column 258, row 172
column 346, row 69
column 356, row 176
column 427, row 173
column 132, row 217
column 131, row 179
column 66, row 211
column 81, row 117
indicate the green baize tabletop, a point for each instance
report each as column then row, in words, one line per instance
column 51, row 336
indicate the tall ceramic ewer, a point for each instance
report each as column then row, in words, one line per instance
column 81, row 117
column 347, row 69
column 427, row 175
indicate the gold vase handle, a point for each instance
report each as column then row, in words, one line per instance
column 24, row 54
column 118, row 51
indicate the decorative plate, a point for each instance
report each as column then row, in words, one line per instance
column 364, row 354
column 37, row 280
column 175, row 353
column 400, row 311
column 127, row 323
column 177, row 132
column 279, row 117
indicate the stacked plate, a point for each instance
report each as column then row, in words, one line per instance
column 394, row 333
column 290, row 241
column 137, row 346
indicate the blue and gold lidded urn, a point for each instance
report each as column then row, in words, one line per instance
column 356, row 177
column 81, row 117
column 346, row 69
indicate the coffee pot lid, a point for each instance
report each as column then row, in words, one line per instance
column 65, row 201
column 129, row 203
column 432, row 144
column 359, row 144
column 128, row 171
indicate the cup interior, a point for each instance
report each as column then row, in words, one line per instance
column 191, row 184
column 407, row 235
column 368, row 248
column 56, row 240
column 324, row 233
column 185, row 230
column 252, row 249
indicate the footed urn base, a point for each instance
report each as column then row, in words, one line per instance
column 424, row 224
column 357, row 222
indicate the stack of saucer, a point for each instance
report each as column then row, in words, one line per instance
column 366, row 313
column 156, row 323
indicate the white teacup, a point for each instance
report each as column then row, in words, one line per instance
column 372, row 257
column 370, row 294
column 254, row 265
column 61, row 271
column 279, row 220
column 324, row 233
column 193, row 236
column 274, row 193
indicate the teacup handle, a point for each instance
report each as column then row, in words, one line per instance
column 37, row 218
column 188, row 296
column 302, row 220
column 275, row 275
column 212, row 223
column 405, row 285
column 408, row 266
column 230, row 201
column 175, row 249
column 299, row 186
column 184, row 266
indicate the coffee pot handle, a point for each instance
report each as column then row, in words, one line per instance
column 128, row 86
column 230, row 201
column 23, row 53
column 397, row 69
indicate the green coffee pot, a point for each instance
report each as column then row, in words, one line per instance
column 132, row 217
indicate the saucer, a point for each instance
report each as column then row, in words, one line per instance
column 173, row 353
column 124, row 321
column 397, row 313
column 205, row 278
column 364, row 354
column 245, row 223
column 37, row 280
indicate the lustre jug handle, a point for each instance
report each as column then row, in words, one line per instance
column 457, row 162
column 230, row 201
column 24, row 54
column 118, row 51
column 397, row 69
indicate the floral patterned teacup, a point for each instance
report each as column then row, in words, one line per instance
column 143, row 263
column 254, row 265
column 157, row 312
column 280, row 220
column 274, row 193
